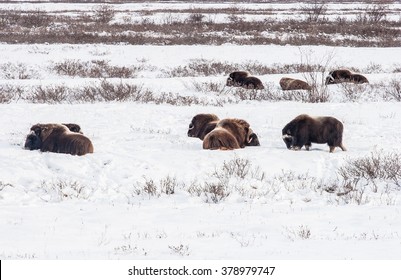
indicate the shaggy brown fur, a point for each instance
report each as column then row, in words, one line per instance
column 338, row 76
column 220, row 139
column 252, row 83
column 73, row 127
column 244, row 79
column 305, row 130
column 293, row 84
column 236, row 78
column 358, row 79
column 345, row 76
column 201, row 125
column 57, row 138
column 230, row 134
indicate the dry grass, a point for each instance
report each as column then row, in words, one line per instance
column 17, row 71
column 370, row 28
column 9, row 93
column 209, row 93
column 94, row 69
column 110, row 92
column 204, row 67
column 392, row 90
column 360, row 181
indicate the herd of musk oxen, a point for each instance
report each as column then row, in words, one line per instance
column 216, row 134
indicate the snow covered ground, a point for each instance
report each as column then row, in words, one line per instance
column 62, row 206
column 118, row 203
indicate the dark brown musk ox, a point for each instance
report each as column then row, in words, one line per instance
column 358, row 79
column 252, row 83
column 338, row 76
column 305, row 130
column 244, row 79
column 230, row 134
column 58, row 138
column 202, row 124
column 236, row 78
column 345, row 76
column 294, row 84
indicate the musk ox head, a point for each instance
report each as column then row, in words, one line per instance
column 201, row 125
column 58, row 138
column 33, row 141
column 294, row 84
column 236, row 78
column 338, row 76
column 252, row 139
column 288, row 135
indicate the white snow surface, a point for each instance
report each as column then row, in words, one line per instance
column 108, row 221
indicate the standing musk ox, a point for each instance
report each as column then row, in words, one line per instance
column 58, row 138
column 201, row 125
column 345, row 76
column 230, row 134
column 294, row 84
column 305, row 130
column 244, row 79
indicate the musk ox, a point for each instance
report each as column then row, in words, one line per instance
column 358, row 79
column 252, row 83
column 201, row 125
column 57, row 138
column 293, row 84
column 305, row 130
column 345, row 76
column 230, row 134
column 236, row 78
column 338, row 76
column 244, row 79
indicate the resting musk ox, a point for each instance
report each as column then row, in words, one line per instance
column 293, row 84
column 252, row 83
column 236, row 78
column 57, row 138
column 345, row 76
column 305, row 130
column 230, row 134
column 201, row 125
column 338, row 76
column 245, row 80
column 358, row 79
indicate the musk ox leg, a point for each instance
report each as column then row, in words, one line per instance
column 296, row 148
column 307, row 146
column 333, row 146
